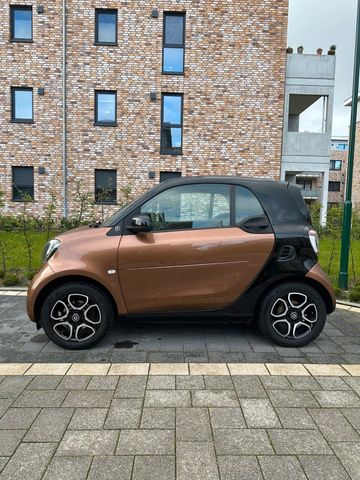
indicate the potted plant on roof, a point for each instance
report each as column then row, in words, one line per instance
column 289, row 50
column 332, row 50
column 319, row 51
column 300, row 49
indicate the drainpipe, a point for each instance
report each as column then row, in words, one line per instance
column 64, row 133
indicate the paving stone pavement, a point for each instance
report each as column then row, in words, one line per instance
column 169, row 341
column 179, row 427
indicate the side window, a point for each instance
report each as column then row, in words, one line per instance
column 246, row 204
column 189, row 207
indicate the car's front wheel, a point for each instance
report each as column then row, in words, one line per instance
column 292, row 314
column 77, row 315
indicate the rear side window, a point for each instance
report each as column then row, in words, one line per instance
column 246, row 205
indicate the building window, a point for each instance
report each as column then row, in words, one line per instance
column 335, row 164
column 105, row 186
column 171, row 124
column 173, row 43
column 105, row 108
column 22, row 105
column 23, row 183
column 169, row 175
column 342, row 146
column 20, row 23
column 334, row 186
column 105, row 27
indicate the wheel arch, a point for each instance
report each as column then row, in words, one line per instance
column 66, row 279
column 307, row 281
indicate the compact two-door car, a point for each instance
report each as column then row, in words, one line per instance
column 194, row 246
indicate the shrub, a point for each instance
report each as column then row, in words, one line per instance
column 2, row 274
column 354, row 295
column 340, row 294
column 30, row 274
column 11, row 279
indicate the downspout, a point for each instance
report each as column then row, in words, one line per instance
column 64, row 132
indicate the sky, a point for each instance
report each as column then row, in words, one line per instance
column 319, row 24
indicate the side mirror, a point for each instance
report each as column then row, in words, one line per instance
column 140, row 224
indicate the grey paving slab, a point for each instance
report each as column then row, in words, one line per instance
column 111, row 468
column 131, row 386
column 353, row 416
column 295, row 418
column 323, row 467
column 298, row 442
column 146, row 442
column 159, row 467
column 229, row 417
column 88, row 398
column 161, row 382
column 5, row 404
column 40, row 398
column 303, row 383
column 276, row 382
column 193, row 425
column 292, row 398
column 88, row 419
column 124, row 413
column 68, row 468
column 29, row 462
column 10, row 387
column 333, row 425
column 337, row 399
column 103, row 383
column 3, row 462
column 158, row 418
column 9, row 441
column 239, row 467
column 196, row 460
column 242, row 442
column 259, row 413
column 281, row 468
column 190, row 382
column 214, row 398
column 218, row 382
column 167, row 398
column 18, row 418
column 349, row 455
column 49, row 425
column 88, row 442
column 74, row 382
column 249, row 387
column 332, row 383
column 44, row 382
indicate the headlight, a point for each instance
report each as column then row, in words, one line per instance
column 50, row 248
column 314, row 240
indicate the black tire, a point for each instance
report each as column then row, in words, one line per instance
column 97, row 313
column 272, row 311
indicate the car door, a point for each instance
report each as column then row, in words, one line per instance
column 195, row 257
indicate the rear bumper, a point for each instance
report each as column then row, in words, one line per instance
column 318, row 275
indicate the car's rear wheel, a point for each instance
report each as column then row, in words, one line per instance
column 292, row 314
column 77, row 315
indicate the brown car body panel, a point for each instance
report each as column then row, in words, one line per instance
column 203, row 269
column 318, row 275
column 84, row 252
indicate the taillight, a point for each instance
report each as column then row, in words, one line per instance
column 314, row 240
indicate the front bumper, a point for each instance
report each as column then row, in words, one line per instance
column 36, row 285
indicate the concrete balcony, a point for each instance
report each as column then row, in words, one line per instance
column 311, row 194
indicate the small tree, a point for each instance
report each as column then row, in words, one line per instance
column 49, row 217
column 26, row 227
column 315, row 209
column 103, row 197
column 84, row 201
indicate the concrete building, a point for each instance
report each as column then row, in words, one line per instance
column 116, row 94
column 309, row 97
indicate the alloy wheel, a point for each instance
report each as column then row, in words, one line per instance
column 294, row 315
column 75, row 317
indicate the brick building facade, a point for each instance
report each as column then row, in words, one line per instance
column 337, row 174
column 231, row 92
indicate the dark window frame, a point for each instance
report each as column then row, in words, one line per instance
column 177, row 151
column 14, row 119
column 105, row 10
column 172, row 174
column 96, row 121
column 13, row 8
column 102, row 202
column 171, row 45
column 333, row 165
column 19, row 198
column 333, row 183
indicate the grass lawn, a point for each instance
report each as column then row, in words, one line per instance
column 17, row 260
